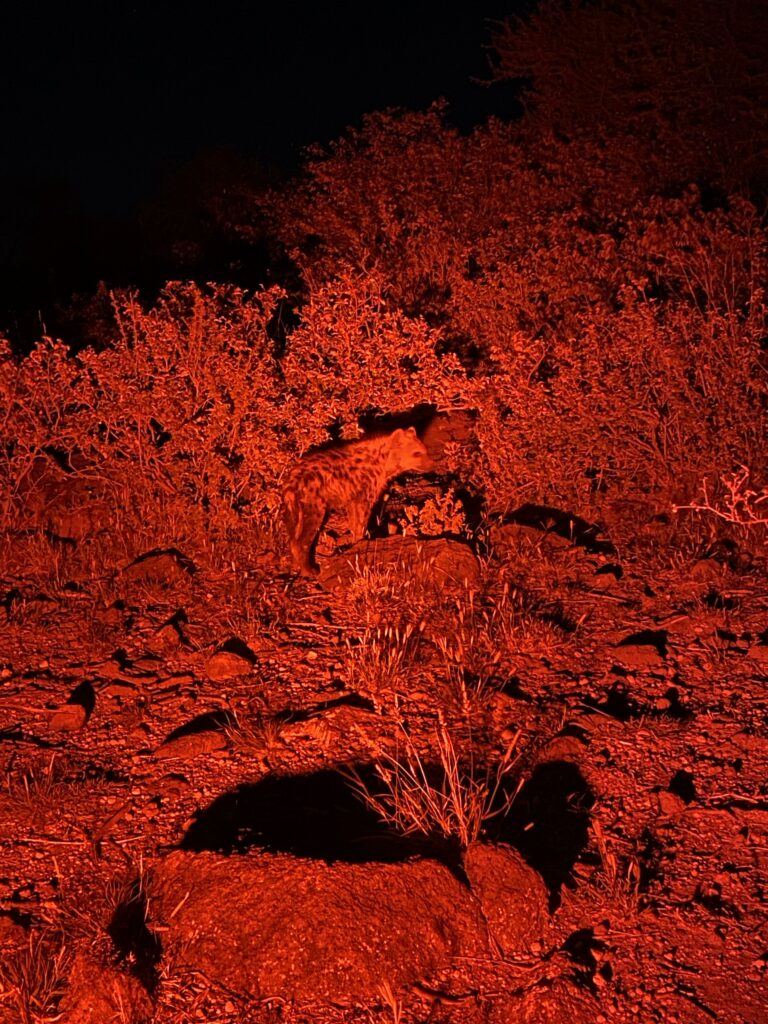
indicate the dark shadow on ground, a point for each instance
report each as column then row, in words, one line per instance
column 134, row 943
column 321, row 816
column 565, row 524
column 209, row 721
column 316, row 815
column 548, row 823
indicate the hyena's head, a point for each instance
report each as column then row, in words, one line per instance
column 407, row 452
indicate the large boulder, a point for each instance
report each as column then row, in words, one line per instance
column 279, row 926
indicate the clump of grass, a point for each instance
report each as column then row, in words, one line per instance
column 391, row 1001
column 380, row 661
column 540, row 636
column 36, row 788
column 254, row 603
column 479, row 638
column 255, row 732
column 468, row 650
column 452, row 798
column 620, row 879
column 86, row 916
column 529, row 626
column 34, row 977
column 396, row 593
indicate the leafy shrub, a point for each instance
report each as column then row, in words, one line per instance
column 560, row 276
column 163, row 419
column 611, row 346
column 187, row 420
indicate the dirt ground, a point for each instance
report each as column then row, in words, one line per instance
column 176, row 843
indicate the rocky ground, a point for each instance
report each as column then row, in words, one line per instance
column 177, row 843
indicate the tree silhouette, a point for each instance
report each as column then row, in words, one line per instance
column 678, row 91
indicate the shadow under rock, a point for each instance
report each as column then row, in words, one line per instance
column 548, row 823
column 565, row 524
column 134, row 943
column 320, row 816
column 208, row 721
column 316, row 815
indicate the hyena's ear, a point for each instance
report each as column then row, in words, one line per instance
column 402, row 437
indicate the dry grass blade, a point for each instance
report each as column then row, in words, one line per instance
column 450, row 798
column 379, row 662
column 33, row 978
column 391, row 1001
column 36, row 790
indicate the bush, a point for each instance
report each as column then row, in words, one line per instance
column 612, row 345
column 167, row 420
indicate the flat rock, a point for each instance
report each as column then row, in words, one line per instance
column 227, row 665
column 165, row 638
column 646, row 649
column 448, row 563
column 512, row 894
column 159, row 567
column 639, row 656
column 290, row 928
column 759, row 653
column 101, row 994
column 192, row 745
column 69, row 718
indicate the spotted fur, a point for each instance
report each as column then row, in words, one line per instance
column 350, row 478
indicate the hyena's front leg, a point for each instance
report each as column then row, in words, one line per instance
column 358, row 515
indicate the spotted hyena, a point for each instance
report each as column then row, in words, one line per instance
column 350, row 478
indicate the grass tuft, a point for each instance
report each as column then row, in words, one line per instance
column 452, row 798
column 34, row 977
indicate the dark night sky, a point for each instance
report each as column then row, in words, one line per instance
column 101, row 94
column 102, row 101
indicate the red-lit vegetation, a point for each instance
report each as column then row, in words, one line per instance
column 583, row 291
column 606, row 362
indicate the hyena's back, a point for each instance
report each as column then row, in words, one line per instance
column 349, row 478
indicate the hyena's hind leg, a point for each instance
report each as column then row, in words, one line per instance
column 304, row 520
column 304, row 548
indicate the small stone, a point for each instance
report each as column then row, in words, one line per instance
column 119, row 689
column 670, row 803
column 562, row 748
column 165, row 638
column 192, row 745
column 642, row 650
column 759, row 653
column 706, row 570
column 69, row 718
column 226, row 665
